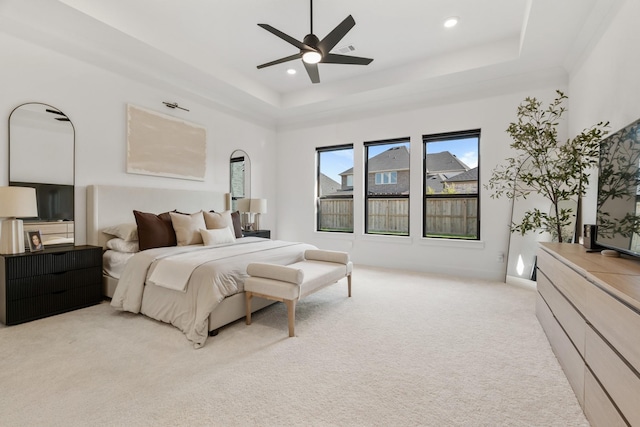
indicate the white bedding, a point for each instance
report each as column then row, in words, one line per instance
column 113, row 262
column 210, row 281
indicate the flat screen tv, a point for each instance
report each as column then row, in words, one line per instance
column 55, row 201
column 618, row 206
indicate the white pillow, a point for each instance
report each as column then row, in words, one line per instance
column 217, row 236
column 187, row 227
column 121, row 245
column 127, row 232
column 217, row 220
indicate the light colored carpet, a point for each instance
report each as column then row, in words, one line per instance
column 407, row 349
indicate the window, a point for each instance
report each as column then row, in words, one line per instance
column 386, row 178
column 451, row 205
column 334, row 201
column 387, row 187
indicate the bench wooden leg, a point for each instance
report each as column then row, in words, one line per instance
column 349, row 284
column 247, row 300
column 291, row 315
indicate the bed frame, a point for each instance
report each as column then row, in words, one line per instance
column 109, row 205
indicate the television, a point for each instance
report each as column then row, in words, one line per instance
column 55, row 201
column 618, row 201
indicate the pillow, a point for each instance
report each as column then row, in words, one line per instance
column 187, row 228
column 128, row 232
column 237, row 225
column 154, row 231
column 215, row 220
column 217, row 236
column 121, row 245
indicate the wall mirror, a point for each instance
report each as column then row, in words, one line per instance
column 42, row 155
column 240, row 177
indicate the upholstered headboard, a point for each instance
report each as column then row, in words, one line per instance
column 109, row 205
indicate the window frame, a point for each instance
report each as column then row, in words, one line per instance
column 367, row 196
column 319, row 151
column 440, row 137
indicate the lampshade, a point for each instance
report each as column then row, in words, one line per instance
column 244, row 205
column 18, row 202
column 258, row 206
column 15, row 202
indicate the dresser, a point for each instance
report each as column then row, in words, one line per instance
column 589, row 308
column 52, row 281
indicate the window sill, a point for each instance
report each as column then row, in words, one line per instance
column 452, row 243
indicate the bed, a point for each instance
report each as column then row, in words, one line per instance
column 196, row 288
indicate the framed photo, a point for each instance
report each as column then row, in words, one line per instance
column 35, row 240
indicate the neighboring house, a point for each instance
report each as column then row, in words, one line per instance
column 389, row 174
column 328, row 185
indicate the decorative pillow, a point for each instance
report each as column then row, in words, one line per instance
column 128, row 232
column 215, row 220
column 237, row 225
column 187, row 228
column 154, row 231
column 217, row 236
column 121, row 245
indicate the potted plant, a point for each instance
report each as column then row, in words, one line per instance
column 558, row 171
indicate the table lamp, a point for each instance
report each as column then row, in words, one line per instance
column 15, row 202
column 258, row 207
column 244, row 205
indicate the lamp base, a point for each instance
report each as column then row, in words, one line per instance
column 12, row 237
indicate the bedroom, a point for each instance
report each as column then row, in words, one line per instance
column 93, row 91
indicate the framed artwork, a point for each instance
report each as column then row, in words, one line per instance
column 162, row 145
column 35, row 240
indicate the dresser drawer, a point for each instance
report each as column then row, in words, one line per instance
column 52, row 262
column 27, row 309
column 619, row 324
column 572, row 322
column 570, row 283
column 620, row 382
column 569, row 358
column 599, row 410
column 51, row 284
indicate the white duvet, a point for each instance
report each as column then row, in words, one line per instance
column 210, row 275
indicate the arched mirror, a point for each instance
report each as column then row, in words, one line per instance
column 240, row 177
column 42, row 156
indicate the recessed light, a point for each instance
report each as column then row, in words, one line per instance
column 451, row 22
column 291, row 71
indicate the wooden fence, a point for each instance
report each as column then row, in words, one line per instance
column 445, row 217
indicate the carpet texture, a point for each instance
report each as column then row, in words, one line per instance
column 408, row 349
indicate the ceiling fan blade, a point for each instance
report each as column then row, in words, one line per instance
column 333, row 58
column 285, row 37
column 281, row 60
column 312, row 70
column 332, row 39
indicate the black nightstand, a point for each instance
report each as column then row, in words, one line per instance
column 40, row 284
column 257, row 233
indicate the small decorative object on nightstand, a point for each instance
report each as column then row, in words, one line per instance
column 52, row 281
column 257, row 233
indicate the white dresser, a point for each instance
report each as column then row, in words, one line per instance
column 589, row 308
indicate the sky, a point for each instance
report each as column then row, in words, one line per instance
column 334, row 162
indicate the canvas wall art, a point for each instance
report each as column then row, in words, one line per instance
column 162, row 145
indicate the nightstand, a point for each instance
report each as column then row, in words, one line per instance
column 40, row 284
column 257, row 233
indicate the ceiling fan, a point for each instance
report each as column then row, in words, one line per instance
column 314, row 50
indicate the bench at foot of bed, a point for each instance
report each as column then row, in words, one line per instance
column 290, row 283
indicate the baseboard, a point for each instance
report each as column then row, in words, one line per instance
column 519, row 281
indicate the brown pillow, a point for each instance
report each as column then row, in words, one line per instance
column 154, row 231
column 237, row 225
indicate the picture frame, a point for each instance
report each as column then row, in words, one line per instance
column 35, row 240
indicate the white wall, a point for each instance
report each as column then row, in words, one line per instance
column 95, row 100
column 296, row 187
column 605, row 86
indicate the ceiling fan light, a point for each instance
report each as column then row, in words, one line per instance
column 451, row 22
column 311, row 57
